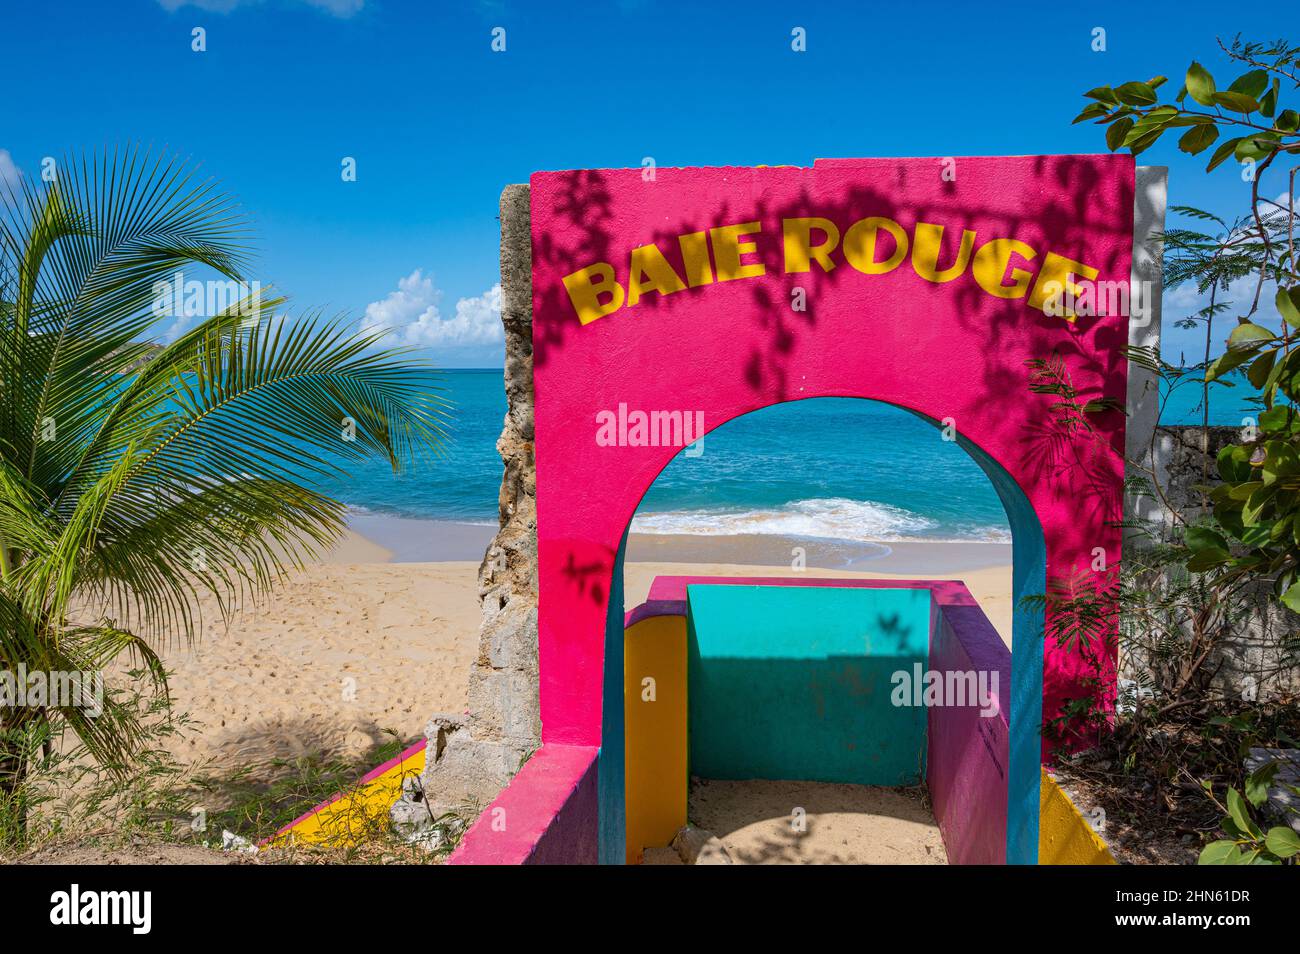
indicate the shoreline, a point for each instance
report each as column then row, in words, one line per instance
column 387, row 538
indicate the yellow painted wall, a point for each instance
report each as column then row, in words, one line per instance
column 351, row 818
column 655, row 732
column 1064, row 836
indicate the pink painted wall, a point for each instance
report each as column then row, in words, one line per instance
column 545, row 816
column 947, row 350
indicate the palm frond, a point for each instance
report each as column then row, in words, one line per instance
column 140, row 482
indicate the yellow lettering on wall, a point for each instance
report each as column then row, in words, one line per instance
column 926, row 244
column 860, row 245
column 1000, row 266
column 695, row 259
column 649, row 271
column 587, row 285
column 799, row 250
column 991, row 264
column 728, row 248
column 1054, row 281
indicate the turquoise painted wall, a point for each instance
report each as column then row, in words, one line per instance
column 793, row 682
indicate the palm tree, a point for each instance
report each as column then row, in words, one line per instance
column 136, row 477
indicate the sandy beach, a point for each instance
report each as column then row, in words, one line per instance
column 366, row 641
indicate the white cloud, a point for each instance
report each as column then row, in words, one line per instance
column 10, row 175
column 414, row 316
column 338, row 8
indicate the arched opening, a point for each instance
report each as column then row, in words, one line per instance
column 820, row 540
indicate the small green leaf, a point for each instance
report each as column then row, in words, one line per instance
column 1258, row 781
column 1160, row 114
column 1104, row 94
column 1281, row 529
column 1223, row 152
column 1255, row 146
column 1244, row 490
column 1208, row 559
column 1251, row 84
column 1198, row 538
column 1200, row 84
column 1240, row 813
column 1276, row 420
column 1236, row 102
column 1227, row 362
column 1291, row 598
column 1219, row 853
column 1268, row 105
column 1287, row 121
column 1142, row 144
column 1248, row 334
column 1281, row 462
column 1285, row 366
column 1261, row 368
column 1091, row 111
column 1256, row 504
column 1136, row 94
column 1117, row 131
column 1282, row 841
column 1198, row 138
column 1232, row 464
column 1288, row 303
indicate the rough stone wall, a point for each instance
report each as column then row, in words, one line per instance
column 472, row 757
column 1185, row 457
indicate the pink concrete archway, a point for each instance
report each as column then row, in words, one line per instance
column 715, row 330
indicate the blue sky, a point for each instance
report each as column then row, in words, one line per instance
column 437, row 122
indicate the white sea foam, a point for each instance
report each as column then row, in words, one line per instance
column 833, row 518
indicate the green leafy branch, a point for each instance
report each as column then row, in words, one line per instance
column 1247, row 843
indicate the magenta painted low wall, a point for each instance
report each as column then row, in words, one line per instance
column 704, row 258
column 967, row 761
column 547, row 815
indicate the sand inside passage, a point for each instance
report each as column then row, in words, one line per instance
column 765, row 822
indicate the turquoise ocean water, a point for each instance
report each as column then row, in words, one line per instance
column 830, row 468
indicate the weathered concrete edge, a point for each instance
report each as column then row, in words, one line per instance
column 1142, row 401
column 472, row 757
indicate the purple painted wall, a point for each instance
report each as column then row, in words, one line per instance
column 967, row 761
